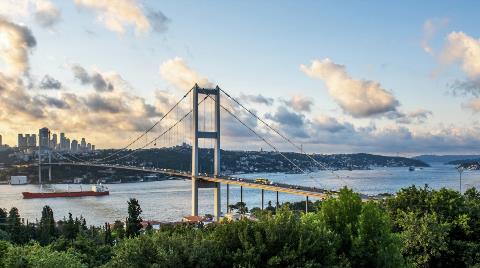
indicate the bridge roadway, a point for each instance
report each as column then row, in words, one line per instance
column 249, row 183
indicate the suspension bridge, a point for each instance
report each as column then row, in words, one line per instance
column 184, row 122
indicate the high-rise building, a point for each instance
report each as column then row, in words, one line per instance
column 63, row 145
column 67, row 144
column 1, row 144
column 83, row 145
column 89, row 146
column 20, row 141
column 27, row 140
column 32, row 141
column 54, row 141
column 93, row 147
column 74, row 146
column 44, row 138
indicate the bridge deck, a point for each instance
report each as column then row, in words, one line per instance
column 249, row 183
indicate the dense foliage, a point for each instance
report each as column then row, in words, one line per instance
column 419, row 227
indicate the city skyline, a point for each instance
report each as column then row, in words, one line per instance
column 50, row 140
column 334, row 82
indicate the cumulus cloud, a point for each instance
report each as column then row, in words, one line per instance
column 290, row 122
column 465, row 50
column 100, row 82
column 467, row 87
column 177, row 72
column 430, row 27
column 19, row 41
column 418, row 116
column 259, row 99
column 117, row 16
column 49, row 82
column 300, row 103
column 359, row 98
column 329, row 124
column 45, row 13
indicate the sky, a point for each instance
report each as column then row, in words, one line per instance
column 398, row 78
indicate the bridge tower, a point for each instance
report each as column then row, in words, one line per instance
column 215, row 135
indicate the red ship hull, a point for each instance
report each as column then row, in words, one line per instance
column 29, row 195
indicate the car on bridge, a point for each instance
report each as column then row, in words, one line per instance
column 263, row 181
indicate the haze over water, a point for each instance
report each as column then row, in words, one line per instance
column 170, row 200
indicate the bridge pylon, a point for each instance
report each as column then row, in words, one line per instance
column 215, row 135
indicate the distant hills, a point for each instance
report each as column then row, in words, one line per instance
column 446, row 159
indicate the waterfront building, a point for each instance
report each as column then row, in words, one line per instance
column 74, row 146
column 44, row 138
column 83, row 145
column 67, row 144
column 54, row 141
column 32, row 141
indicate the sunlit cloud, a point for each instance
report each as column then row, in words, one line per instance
column 359, row 98
column 123, row 13
column 465, row 50
column 16, row 41
column 44, row 12
column 177, row 72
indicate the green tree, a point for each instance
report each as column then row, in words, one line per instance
column 108, row 238
column 47, row 226
column 14, row 226
column 38, row 256
column 425, row 239
column 341, row 216
column 118, row 230
column 70, row 228
column 375, row 245
column 3, row 219
column 133, row 220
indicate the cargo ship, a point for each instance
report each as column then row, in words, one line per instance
column 97, row 190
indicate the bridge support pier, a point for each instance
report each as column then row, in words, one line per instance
column 228, row 197
column 277, row 204
column 306, row 205
column 204, row 134
column 241, row 194
column 262, row 198
column 217, row 209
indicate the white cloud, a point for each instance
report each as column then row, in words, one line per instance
column 464, row 49
column 256, row 99
column 359, row 98
column 418, row 116
column 179, row 74
column 15, row 43
column 300, row 103
column 45, row 13
column 122, row 13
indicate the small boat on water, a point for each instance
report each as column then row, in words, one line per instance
column 97, row 190
column 411, row 169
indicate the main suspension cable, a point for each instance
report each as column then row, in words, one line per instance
column 260, row 137
column 284, row 137
column 159, row 136
column 148, row 130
